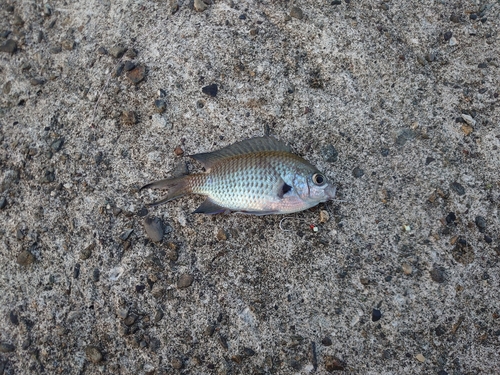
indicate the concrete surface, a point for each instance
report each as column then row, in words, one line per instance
column 403, row 278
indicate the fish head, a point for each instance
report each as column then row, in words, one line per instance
column 315, row 187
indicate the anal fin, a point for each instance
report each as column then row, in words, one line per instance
column 209, row 207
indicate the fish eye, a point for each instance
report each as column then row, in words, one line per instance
column 318, row 179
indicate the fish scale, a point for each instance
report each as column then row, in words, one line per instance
column 257, row 176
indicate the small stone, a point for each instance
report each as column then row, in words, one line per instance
column 482, row 65
column 117, row 51
column 177, row 363
column 131, row 53
column 457, row 188
column 453, row 41
column 158, row 316
column 420, row 357
column 357, row 172
column 154, row 228
column 421, row 60
column 451, row 218
column 25, row 258
column 96, row 275
column 129, row 118
column 404, row 136
column 430, row 57
column 68, row 44
column 481, row 223
column 3, row 202
column 55, row 50
column 407, row 269
column 39, row 36
column 242, row 17
column 488, row 239
column 296, row 12
column 248, row 352
column 222, row 234
column 337, row 2
column 438, row 274
column 160, row 105
column 159, row 121
column 130, row 320
column 454, row 18
column 178, row 151
column 57, row 144
column 210, row 90
column 118, row 69
column 326, row 341
column 324, row 216
column 87, row 252
column 330, row 154
column 9, row 46
column 93, row 354
column 37, row 81
column 429, row 160
column 467, row 129
column 128, row 66
column 14, row 318
column 473, row 16
column 17, row 21
column 376, row 315
column 333, row 364
column 6, row 348
column 200, row 5
column 126, row 234
column 448, row 35
column 102, row 51
column 137, row 74
column 185, row 281
column 468, row 119
column 76, row 271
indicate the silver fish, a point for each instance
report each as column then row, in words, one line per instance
column 258, row 176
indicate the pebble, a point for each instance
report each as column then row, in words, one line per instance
column 248, row 352
column 93, row 354
column 448, row 35
column 451, row 218
column 159, row 121
column 457, row 188
column 160, row 105
column 438, row 274
column 9, row 46
column 177, row 363
column 185, row 281
column 6, row 348
column 454, row 18
column 178, row 151
column 296, row 12
column 466, row 129
column 68, row 44
column 137, row 74
column 57, row 144
column 39, row 36
column 154, row 228
column 131, row 53
column 429, row 160
column 118, row 69
column 358, row 172
column 3, row 202
column 468, row 119
column 404, row 136
column 102, row 51
column 17, row 21
column 330, row 154
column 481, row 223
column 326, row 341
column 55, row 50
column 130, row 320
column 222, row 234
column 453, row 41
column 420, row 357
column 25, row 258
column 128, row 66
column 14, row 319
column 76, row 271
column 37, row 81
column 158, row 315
column 87, row 252
column 333, row 364
column 210, row 90
column 324, row 216
column 126, row 234
column 376, row 315
column 200, row 5
column 129, row 118
column 172, row 253
column 117, row 51
column 338, row 2
column 407, row 269
column 96, row 274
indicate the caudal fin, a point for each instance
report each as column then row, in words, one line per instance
column 177, row 187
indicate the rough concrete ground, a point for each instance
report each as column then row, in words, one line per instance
column 397, row 101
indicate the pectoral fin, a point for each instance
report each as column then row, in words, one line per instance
column 209, row 207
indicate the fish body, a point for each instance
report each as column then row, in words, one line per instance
column 257, row 176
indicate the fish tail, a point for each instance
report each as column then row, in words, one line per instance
column 177, row 187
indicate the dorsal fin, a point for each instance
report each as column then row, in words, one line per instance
column 208, row 159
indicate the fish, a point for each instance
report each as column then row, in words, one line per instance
column 257, row 176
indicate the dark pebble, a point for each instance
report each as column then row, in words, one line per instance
column 454, row 18
column 326, row 341
column 76, row 271
column 482, row 66
column 448, row 35
column 57, row 144
column 242, row 17
column 118, row 69
column 384, row 152
column 437, row 274
column 140, row 288
column 485, row 276
column 14, row 318
column 137, row 74
column 6, row 348
column 248, row 352
column 223, row 342
column 330, row 154
column 473, row 16
column 25, row 345
column 126, row 234
column 142, row 212
column 429, row 160
column 129, row 65
column 484, row 19
column 9, row 46
column 4, row 34
column 55, row 50
column 117, row 51
column 481, row 223
column 358, row 172
column 333, row 364
column 210, row 90
column 160, row 105
column 154, row 228
column 130, row 320
column 442, row 372
column 185, row 281
column 404, row 136
column 296, row 12
column 457, row 188
column 3, row 202
column 102, row 51
column 158, row 316
column 440, row 331
column 96, row 275
column 336, row 2
column 87, row 252
column 388, row 278
column 451, row 218
column 93, row 354
column 25, row 258
column 376, row 315
column 488, row 239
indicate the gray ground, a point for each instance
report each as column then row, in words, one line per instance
column 411, row 110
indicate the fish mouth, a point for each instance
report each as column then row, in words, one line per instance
column 330, row 192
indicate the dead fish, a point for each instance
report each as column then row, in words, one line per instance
column 258, row 176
